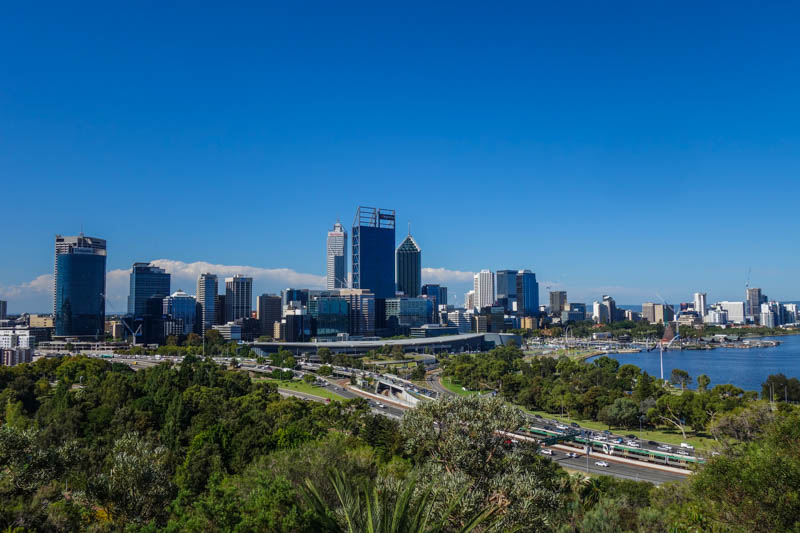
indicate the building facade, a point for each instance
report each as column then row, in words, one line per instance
column 403, row 313
column 182, row 308
column 373, row 241
column 753, row 300
column 408, row 268
column 238, row 297
column 336, row 258
column 362, row 311
column 3, row 309
column 269, row 311
column 79, row 303
column 146, row 281
column 527, row 294
column 700, row 303
column 207, row 289
column 330, row 316
column 558, row 302
column 736, row 311
column 483, row 285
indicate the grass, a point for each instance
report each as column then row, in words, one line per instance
column 455, row 388
column 305, row 388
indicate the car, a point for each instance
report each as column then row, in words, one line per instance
column 572, row 454
column 538, row 416
column 631, row 436
column 682, row 452
column 714, row 454
column 687, row 446
column 633, row 444
column 575, row 425
column 652, row 443
column 618, row 440
column 606, row 432
column 381, row 405
column 545, row 451
column 601, row 463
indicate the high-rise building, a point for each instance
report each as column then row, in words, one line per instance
column 527, row 294
column 460, row 320
column 182, row 308
column 362, row 311
column 753, row 303
column 737, row 311
column 611, row 307
column 146, row 281
column 373, row 251
column 469, row 300
column 3, row 309
column 407, row 313
column 330, row 316
column 483, row 285
column 336, row 258
column 599, row 313
column 558, row 302
column 664, row 313
column 507, row 289
column 437, row 293
column 238, row 297
column 79, row 303
column 700, row 303
column 269, row 311
column 408, row 267
column 207, row 289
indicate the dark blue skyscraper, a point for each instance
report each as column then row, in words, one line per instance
column 80, row 286
column 408, row 269
column 527, row 294
column 373, row 251
column 146, row 281
column 506, row 288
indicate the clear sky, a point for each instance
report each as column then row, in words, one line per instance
column 640, row 149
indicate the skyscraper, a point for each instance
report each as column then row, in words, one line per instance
column 269, row 311
column 611, row 307
column 182, row 308
column 409, row 267
column 79, row 302
column 238, row 297
column 558, row 302
column 753, row 303
column 469, row 300
column 506, row 288
column 3, row 309
column 700, row 303
column 146, row 281
column 336, row 258
column 483, row 283
column 373, row 251
column 207, row 288
column 527, row 294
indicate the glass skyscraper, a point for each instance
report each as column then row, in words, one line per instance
column 373, row 251
column 408, row 267
column 330, row 316
column 80, row 286
column 527, row 294
column 336, row 263
column 182, row 307
column 238, row 297
column 146, row 281
column 506, row 288
column 207, row 288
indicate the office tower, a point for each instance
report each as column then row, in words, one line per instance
column 336, row 258
column 460, row 320
column 611, row 307
column 558, row 302
column 330, row 316
column 507, row 289
column 663, row 313
column 437, row 293
column 599, row 313
column 182, row 308
column 469, row 300
column 79, row 303
column 753, row 301
column 700, row 303
column 146, row 281
column 649, row 312
column 294, row 298
column 362, row 311
column 737, row 311
column 269, row 311
column 207, row 289
column 219, row 309
column 403, row 313
column 3, row 309
column 483, row 285
column 408, row 267
column 373, row 251
column 238, row 297
column 527, row 294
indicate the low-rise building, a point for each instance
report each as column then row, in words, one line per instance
column 15, row 356
column 229, row 331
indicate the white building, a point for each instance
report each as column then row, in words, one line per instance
column 716, row 316
column 16, row 338
column 700, row 303
column 484, row 289
column 207, row 288
column 735, row 310
column 600, row 312
column 460, row 320
column 336, row 258
column 469, row 300
column 238, row 297
column 767, row 318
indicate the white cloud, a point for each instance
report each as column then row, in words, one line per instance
column 40, row 285
column 445, row 276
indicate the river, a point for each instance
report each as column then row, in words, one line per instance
column 746, row 369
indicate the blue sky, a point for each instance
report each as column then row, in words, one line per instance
column 646, row 150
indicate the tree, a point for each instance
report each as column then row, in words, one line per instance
column 703, row 381
column 623, row 412
column 172, row 340
column 325, row 370
column 213, row 337
column 325, row 354
column 680, row 377
column 194, row 340
column 308, row 378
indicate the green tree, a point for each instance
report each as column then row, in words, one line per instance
column 325, row 354
column 703, row 381
column 680, row 377
column 308, row 378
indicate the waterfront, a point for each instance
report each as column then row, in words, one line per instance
column 744, row 368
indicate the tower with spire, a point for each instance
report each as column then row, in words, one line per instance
column 408, row 267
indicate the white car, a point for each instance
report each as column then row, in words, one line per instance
column 687, row 446
column 545, row 451
column 632, row 444
column 601, row 463
column 572, row 454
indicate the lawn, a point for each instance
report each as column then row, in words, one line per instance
column 448, row 384
column 302, row 386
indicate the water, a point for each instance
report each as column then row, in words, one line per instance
column 746, row 369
